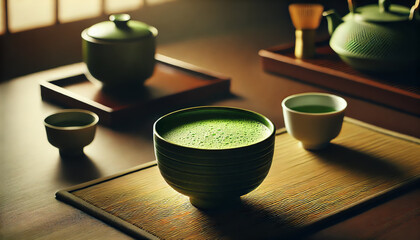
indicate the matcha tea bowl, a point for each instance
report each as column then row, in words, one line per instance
column 71, row 130
column 214, row 155
column 314, row 118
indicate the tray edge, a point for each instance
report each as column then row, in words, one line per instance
column 220, row 84
column 269, row 54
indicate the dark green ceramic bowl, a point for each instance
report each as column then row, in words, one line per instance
column 213, row 177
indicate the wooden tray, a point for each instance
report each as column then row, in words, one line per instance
column 174, row 83
column 327, row 70
column 304, row 190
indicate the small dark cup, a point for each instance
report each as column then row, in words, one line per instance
column 71, row 130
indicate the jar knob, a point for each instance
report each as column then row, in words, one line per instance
column 384, row 5
column 120, row 20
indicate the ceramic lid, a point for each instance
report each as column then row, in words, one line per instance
column 380, row 13
column 121, row 28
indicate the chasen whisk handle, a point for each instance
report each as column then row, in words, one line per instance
column 305, row 43
column 306, row 19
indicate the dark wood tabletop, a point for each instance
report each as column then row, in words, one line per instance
column 31, row 170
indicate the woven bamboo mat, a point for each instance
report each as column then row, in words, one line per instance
column 304, row 190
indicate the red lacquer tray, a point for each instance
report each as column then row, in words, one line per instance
column 399, row 91
column 174, row 83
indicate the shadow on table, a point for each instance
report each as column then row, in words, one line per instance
column 252, row 221
column 76, row 170
column 360, row 162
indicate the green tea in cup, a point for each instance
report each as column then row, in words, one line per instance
column 313, row 118
column 313, row 109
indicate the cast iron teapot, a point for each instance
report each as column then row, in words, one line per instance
column 381, row 37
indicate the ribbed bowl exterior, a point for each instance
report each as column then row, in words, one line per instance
column 216, row 181
column 214, row 173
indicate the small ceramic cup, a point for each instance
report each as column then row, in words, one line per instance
column 71, row 130
column 314, row 118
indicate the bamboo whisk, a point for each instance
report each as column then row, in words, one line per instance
column 305, row 19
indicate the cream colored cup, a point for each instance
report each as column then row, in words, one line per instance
column 314, row 129
column 71, row 130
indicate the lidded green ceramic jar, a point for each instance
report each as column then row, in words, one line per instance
column 120, row 53
column 381, row 37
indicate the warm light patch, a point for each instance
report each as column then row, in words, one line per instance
column 115, row 6
column 156, row 2
column 73, row 10
column 2, row 16
column 28, row 14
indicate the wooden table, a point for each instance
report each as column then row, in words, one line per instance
column 31, row 171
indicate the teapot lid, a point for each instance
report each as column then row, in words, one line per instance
column 121, row 28
column 382, row 12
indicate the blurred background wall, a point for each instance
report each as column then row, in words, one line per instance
column 40, row 34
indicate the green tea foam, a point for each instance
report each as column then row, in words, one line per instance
column 217, row 133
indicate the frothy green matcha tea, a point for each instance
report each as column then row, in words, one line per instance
column 217, row 132
column 314, row 109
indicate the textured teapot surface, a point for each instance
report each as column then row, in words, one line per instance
column 376, row 37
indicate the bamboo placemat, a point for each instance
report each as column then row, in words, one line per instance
column 303, row 190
